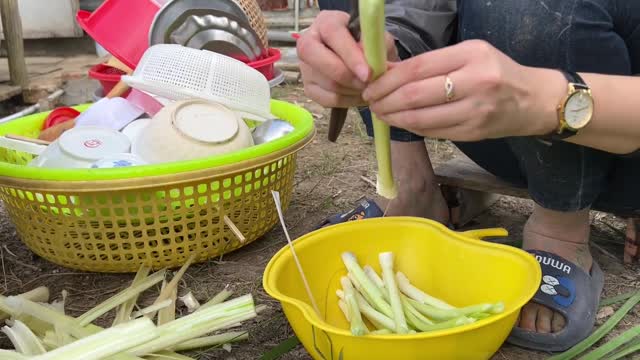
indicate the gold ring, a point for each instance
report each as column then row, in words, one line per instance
column 449, row 88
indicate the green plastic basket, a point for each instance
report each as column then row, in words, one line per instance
column 114, row 220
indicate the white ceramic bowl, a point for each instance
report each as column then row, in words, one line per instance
column 191, row 129
column 80, row 147
column 118, row 161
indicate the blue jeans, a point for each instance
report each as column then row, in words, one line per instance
column 601, row 36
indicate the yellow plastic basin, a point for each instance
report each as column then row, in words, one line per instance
column 456, row 267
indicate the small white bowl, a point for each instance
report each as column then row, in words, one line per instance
column 191, row 129
column 135, row 128
column 118, row 161
column 80, row 147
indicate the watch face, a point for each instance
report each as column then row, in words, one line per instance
column 578, row 110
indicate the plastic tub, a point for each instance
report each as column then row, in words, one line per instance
column 107, row 76
column 266, row 66
column 121, row 27
column 455, row 267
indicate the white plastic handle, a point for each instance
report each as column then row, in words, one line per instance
column 23, row 146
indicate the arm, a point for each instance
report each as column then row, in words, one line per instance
column 615, row 126
column 421, row 25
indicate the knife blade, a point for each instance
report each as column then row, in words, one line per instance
column 339, row 115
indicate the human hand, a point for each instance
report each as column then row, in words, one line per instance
column 333, row 66
column 493, row 96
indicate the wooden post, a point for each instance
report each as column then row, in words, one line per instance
column 12, row 27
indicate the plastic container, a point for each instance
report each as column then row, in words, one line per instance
column 144, row 101
column 266, row 66
column 121, row 27
column 176, row 72
column 80, row 147
column 455, row 267
column 107, row 76
column 60, row 115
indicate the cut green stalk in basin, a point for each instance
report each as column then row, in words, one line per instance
column 372, row 33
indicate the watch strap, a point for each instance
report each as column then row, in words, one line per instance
column 578, row 83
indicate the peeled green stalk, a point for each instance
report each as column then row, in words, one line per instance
column 372, row 25
column 411, row 309
column 39, row 294
column 381, row 332
column 106, row 343
column 418, row 295
column 357, row 325
column 374, row 295
column 373, row 275
column 200, row 323
column 440, row 315
column 386, row 263
column 378, row 319
column 345, row 310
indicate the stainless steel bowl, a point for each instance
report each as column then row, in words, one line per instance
column 271, row 130
column 174, row 13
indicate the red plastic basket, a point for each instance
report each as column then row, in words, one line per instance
column 107, row 76
column 267, row 65
column 121, row 27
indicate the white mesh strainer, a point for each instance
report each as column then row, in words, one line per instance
column 178, row 73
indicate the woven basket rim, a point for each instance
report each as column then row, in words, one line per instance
column 303, row 134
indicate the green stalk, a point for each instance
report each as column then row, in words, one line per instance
column 410, row 308
column 374, row 295
column 120, row 298
column 450, row 324
column 375, row 278
column 210, row 341
column 123, row 311
column 631, row 348
column 166, row 355
column 11, row 355
column 16, row 306
column 357, row 326
column 40, row 294
column 600, row 332
column 620, row 340
column 617, row 299
column 381, row 332
column 386, row 263
column 219, row 298
column 25, row 341
column 372, row 25
column 441, row 315
column 418, row 295
column 345, row 310
column 168, row 313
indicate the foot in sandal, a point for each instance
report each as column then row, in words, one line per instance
column 563, row 311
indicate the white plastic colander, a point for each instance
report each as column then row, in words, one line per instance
column 176, row 72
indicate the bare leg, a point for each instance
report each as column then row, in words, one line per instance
column 563, row 234
column 418, row 193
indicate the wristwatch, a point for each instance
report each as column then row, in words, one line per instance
column 575, row 110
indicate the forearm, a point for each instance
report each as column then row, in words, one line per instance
column 615, row 125
column 421, row 25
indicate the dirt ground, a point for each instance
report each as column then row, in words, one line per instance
column 328, row 181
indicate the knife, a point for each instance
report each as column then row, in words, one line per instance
column 339, row 115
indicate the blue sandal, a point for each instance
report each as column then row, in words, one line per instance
column 569, row 290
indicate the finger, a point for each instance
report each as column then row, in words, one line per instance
column 340, row 40
column 330, row 99
column 326, row 83
column 430, row 118
column 431, row 64
column 423, row 93
column 321, row 59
